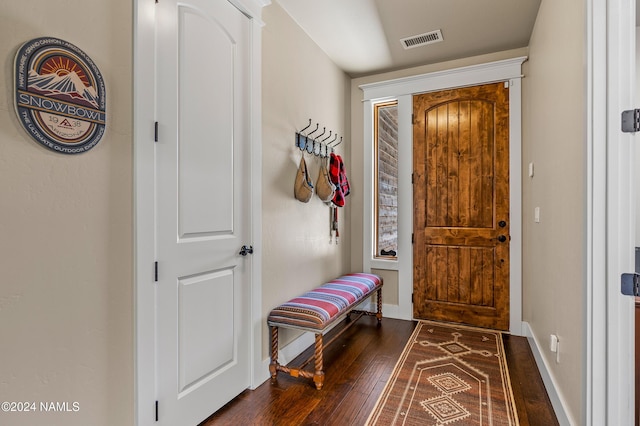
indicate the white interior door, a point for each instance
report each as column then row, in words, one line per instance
column 202, row 208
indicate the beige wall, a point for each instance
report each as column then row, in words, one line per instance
column 299, row 82
column 66, row 299
column 554, row 138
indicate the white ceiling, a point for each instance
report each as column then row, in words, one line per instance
column 363, row 36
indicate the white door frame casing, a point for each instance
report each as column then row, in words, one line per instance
column 403, row 89
column 620, row 211
column 609, row 343
column 144, row 199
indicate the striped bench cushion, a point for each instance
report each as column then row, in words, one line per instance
column 317, row 308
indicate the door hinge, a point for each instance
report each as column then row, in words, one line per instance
column 155, row 132
column 156, row 411
column 413, row 119
column 630, row 284
column 631, row 121
column 412, row 238
column 155, row 272
column 411, row 298
column 411, row 178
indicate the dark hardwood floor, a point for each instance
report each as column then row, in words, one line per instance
column 357, row 366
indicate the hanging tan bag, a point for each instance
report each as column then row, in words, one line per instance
column 324, row 188
column 302, row 187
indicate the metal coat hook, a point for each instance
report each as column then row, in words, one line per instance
column 317, row 145
column 323, row 150
column 316, row 129
column 309, row 125
column 301, row 141
column 309, row 142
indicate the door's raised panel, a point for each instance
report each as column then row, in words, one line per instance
column 205, row 326
column 459, row 173
column 205, row 126
column 459, row 274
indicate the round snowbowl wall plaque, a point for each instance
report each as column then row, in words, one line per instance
column 60, row 95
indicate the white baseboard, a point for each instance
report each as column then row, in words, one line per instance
column 549, row 382
column 388, row 311
column 262, row 375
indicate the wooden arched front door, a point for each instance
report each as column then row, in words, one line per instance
column 461, row 206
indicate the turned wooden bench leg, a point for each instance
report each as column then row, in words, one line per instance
column 318, row 377
column 273, row 365
column 379, row 298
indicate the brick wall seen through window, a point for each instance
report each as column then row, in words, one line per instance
column 386, row 185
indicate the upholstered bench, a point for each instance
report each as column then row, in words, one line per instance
column 318, row 309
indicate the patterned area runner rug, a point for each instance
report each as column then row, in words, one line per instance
column 448, row 375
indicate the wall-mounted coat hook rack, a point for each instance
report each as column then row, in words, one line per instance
column 315, row 145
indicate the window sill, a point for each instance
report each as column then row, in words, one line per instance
column 386, row 264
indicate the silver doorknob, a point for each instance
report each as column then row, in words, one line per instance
column 246, row 250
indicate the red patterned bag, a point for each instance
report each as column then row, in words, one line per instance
column 338, row 177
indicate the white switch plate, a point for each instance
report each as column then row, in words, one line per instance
column 531, row 169
column 536, row 215
column 553, row 343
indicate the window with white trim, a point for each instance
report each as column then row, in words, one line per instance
column 386, row 180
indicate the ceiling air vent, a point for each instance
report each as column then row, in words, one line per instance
column 422, row 39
